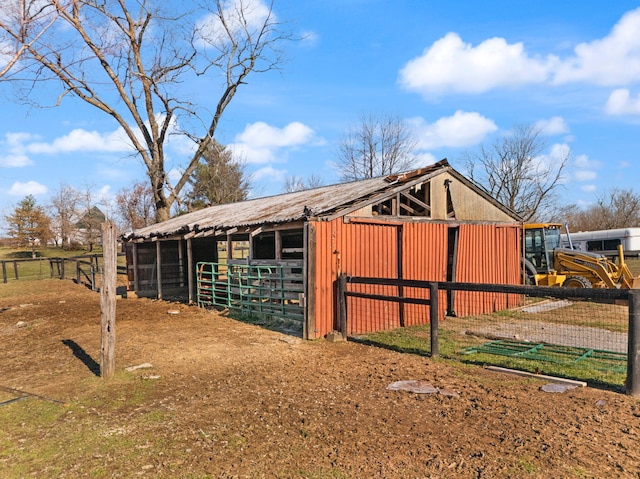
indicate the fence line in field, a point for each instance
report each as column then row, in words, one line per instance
column 523, row 320
column 84, row 269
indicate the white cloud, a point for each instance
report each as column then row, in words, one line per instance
column 589, row 188
column 260, row 142
column 620, row 102
column 238, row 15
column 28, row 188
column 14, row 161
column 13, row 146
column 583, row 168
column 553, row 126
column 310, row 38
column 612, row 60
column 450, row 65
column 83, row 140
column 459, row 130
column 424, row 159
column 585, row 175
column 583, row 161
column 269, row 172
column 262, row 135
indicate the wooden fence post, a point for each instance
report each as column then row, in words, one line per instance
column 342, row 304
column 4, row 271
column 633, row 351
column 433, row 318
column 108, row 300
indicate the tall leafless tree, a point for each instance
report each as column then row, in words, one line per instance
column 24, row 16
column 616, row 208
column 298, row 183
column 132, row 60
column 376, row 146
column 134, row 206
column 64, row 207
column 516, row 172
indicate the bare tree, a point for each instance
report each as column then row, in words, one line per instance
column 90, row 220
column 377, row 146
column 64, row 206
column 217, row 179
column 131, row 60
column 516, row 173
column 26, row 17
column 298, row 183
column 134, row 206
column 617, row 208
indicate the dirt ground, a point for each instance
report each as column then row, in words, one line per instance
column 225, row 399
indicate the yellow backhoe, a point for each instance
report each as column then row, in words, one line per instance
column 547, row 263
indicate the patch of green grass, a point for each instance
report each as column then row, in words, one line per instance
column 44, row 439
column 416, row 340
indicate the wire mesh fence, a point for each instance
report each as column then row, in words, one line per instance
column 580, row 333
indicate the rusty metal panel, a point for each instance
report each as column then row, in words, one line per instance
column 371, row 250
column 355, row 250
column 424, row 252
column 486, row 254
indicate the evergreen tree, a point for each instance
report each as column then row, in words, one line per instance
column 217, row 179
column 29, row 225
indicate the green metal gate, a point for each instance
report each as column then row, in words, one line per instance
column 261, row 289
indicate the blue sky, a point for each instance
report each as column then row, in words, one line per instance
column 460, row 73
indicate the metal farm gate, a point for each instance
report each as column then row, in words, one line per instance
column 273, row 290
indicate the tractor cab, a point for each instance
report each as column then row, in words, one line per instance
column 540, row 239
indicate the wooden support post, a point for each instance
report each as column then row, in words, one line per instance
column 180, row 263
column 400, row 275
column 15, row 270
column 190, row 270
column 278, row 239
column 159, row 268
column 136, row 276
column 229, row 249
column 4, row 272
column 342, row 302
column 633, row 354
column 433, row 318
column 108, row 300
column 305, row 280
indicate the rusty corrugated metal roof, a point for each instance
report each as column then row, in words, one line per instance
column 285, row 208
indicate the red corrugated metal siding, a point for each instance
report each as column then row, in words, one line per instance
column 371, row 250
column 355, row 250
column 424, row 258
column 486, row 254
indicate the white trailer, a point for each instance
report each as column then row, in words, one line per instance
column 606, row 241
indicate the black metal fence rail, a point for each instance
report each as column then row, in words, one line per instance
column 493, row 307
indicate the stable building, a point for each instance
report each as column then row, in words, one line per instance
column 282, row 256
